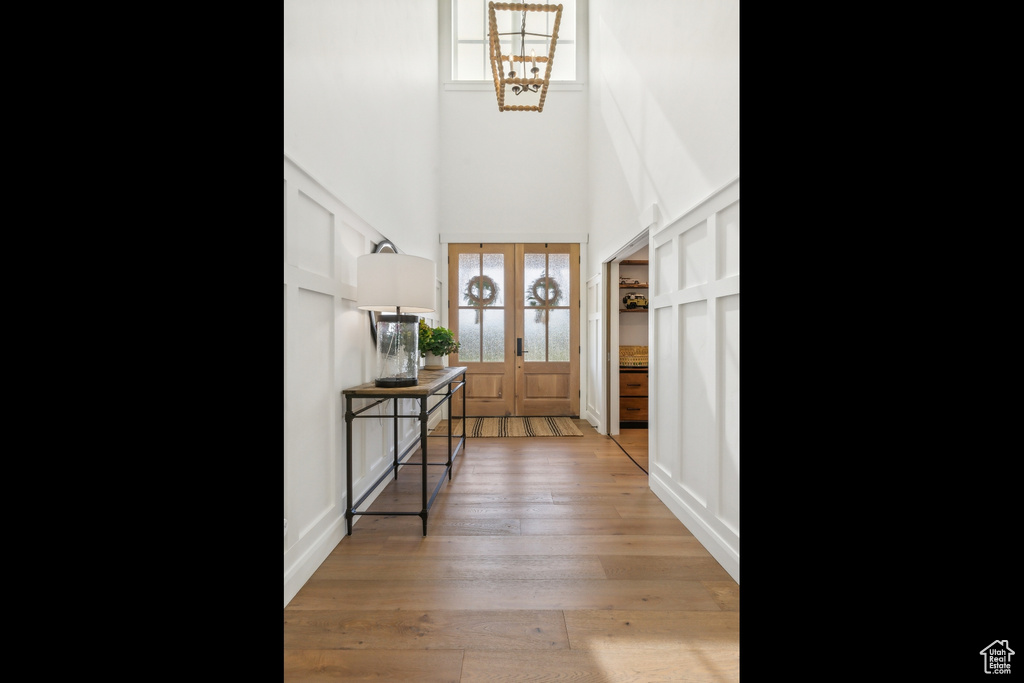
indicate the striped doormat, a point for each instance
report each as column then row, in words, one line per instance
column 477, row 427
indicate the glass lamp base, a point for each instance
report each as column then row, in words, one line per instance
column 397, row 351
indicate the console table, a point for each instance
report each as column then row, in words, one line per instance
column 444, row 383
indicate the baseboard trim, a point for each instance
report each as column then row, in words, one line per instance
column 715, row 544
column 304, row 567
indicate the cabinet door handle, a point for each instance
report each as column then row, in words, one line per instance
column 632, row 409
column 632, row 385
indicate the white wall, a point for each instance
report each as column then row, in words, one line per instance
column 593, row 336
column 361, row 163
column 664, row 112
column 514, row 172
column 664, row 132
column 361, row 110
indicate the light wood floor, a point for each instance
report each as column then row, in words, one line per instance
column 634, row 444
column 546, row 559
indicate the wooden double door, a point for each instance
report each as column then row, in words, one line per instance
column 515, row 309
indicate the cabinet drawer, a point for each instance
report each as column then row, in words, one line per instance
column 632, row 408
column 632, row 383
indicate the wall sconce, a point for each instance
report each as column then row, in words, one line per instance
column 529, row 92
column 396, row 285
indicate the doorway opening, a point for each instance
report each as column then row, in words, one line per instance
column 628, row 341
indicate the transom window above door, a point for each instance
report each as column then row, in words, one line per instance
column 470, row 57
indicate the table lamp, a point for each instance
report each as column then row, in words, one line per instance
column 396, row 285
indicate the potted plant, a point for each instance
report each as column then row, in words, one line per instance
column 435, row 344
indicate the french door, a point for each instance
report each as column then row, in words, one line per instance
column 515, row 310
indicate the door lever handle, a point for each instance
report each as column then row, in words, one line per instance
column 519, row 346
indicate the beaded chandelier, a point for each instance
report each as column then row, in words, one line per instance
column 528, row 92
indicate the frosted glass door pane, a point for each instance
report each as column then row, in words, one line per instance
column 533, row 269
column 558, row 279
column 469, row 335
column 494, row 335
column 482, row 325
column 494, row 276
column 469, row 268
column 534, row 336
column 558, row 335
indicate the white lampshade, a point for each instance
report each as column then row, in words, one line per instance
column 386, row 282
column 390, row 284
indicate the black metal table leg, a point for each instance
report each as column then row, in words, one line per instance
column 451, row 428
column 423, row 448
column 465, row 420
column 348, row 462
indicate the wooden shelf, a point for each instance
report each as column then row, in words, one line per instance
column 633, row 402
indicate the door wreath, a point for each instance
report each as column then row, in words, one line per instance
column 544, row 292
column 539, row 292
column 480, row 291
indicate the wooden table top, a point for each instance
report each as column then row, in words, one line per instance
column 430, row 382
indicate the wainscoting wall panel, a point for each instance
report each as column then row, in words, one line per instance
column 327, row 347
column 729, row 410
column 312, row 236
column 596, row 356
column 694, row 456
column 310, row 409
